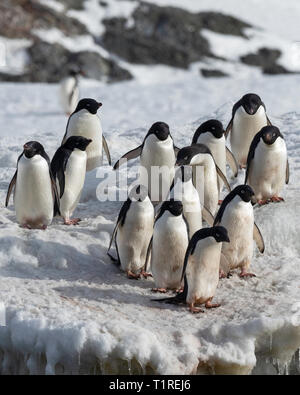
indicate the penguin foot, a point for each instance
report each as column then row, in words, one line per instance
column 222, row 274
column 246, row 274
column 73, row 221
column 242, row 166
column 132, row 275
column 210, row 305
column 145, row 274
column 262, row 202
column 44, row 227
column 161, row 290
column 179, row 290
column 220, row 202
column 26, row 226
column 195, row 310
column 276, row 199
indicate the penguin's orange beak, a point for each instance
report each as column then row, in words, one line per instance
column 25, row 146
column 99, row 104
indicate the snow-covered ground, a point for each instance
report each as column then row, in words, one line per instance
column 69, row 309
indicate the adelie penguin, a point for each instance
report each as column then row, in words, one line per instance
column 168, row 246
column 157, row 160
column 35, row 192
column 69, row 90
column 205, row 173
column 69, row 168
column 212, row 134
column 236, row 215
column 267, row 165
column 85, row 122
column 133, row 232
column 182, row 189
column 201, row 269
column 248, row 117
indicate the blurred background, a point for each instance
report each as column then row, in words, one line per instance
column 116, row 40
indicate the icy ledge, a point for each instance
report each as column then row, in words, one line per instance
column 37, row 346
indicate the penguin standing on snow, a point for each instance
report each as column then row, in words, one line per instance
column 248, row 117
column 69, row 91
column 267, row 165
column 85, row 122
column 68, row 168
column 201, row 269
column 157, row 160
column 35, row 192
column 133, row 232
column 236, row 215
column 211, row 134
column 183, row 189
column 168, row 246
column 205, row 173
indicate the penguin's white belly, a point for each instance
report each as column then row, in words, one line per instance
column 203, row 273
column 239, row 222
column 74, row 181
column 133, row 238
column 170, row 241
column 244, row 128
column 217, row 148
column 207, row 187
column 69, row 94
column 268, row 170
column 192, row 212
column 157, row 168
column 33, row 193
column 88, row 125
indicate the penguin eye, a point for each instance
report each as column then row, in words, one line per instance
column 242, row 191
column 185, row 158
column 217, row 234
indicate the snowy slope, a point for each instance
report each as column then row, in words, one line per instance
column 68, row 309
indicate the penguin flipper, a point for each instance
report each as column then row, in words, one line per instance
column 232, row 162
column 229, row 128
column 176, row 150
column 207, row 215
column 223, row 177
column 224, row 264
column 11, row 187
column 180, row 298
column 148, row 254
column 287, row 172
column 107, row 153
column 55, row 194
column 257, row 236
column 269, row 123
column 129, row 155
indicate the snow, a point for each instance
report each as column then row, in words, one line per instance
column 69, row 309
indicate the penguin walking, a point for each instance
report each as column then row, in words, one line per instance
column 248, row 117
column 69, row 91
column 205, row 173
column 182, row 189
column 85, row 122
column 201, row 269
column 68, row 167
column 267, row 165
column 211, row 134
column 168, row 246
column 35, row 192
column 236, row 215
column 133, row 232
column 157, row 160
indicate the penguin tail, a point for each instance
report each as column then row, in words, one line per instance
column 114, row 260
column 178, row 299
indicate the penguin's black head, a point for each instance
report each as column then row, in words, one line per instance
column 138, row 193
column 90, row 105
column 186, row 154
column 174, row 206
column 160, row 130
column 251, row 103
column 269, row 134
column 244, row 191
column 78, row 142
column 213, row 126
column 220, row 234
column 33, row 148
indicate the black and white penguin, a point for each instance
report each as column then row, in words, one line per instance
column 35, row 192
column 205, row 173
column 69, row 168
column 85, row 122
column 182, row 189
column 133, row 232
column 248, row 117
column 201, row 269
column 69, row 90
column 211, row 134
column 157, row 160
column 267, row 165
column 236, row 215
column 168, row 246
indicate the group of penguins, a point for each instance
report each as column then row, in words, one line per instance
column 166, row 231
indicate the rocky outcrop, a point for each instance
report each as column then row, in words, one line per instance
column 266, row 59
column 212, row 73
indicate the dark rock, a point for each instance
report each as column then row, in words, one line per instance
column 166, row 35
column 276, row 69
column 73, row 4
column 212, row 73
